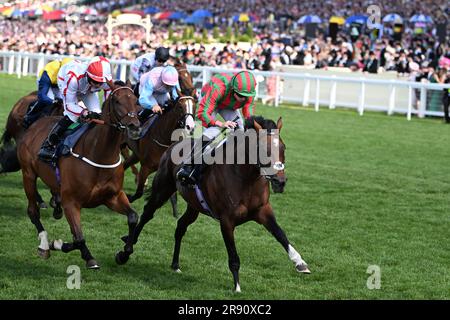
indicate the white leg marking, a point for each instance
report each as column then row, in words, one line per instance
column 43, row 236
column 295, row 256
column 57, row 244
column 238, row 288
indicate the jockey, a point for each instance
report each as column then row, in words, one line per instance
column 78, row 81
column 156, row 87
column 48, row 92
column 225, row 94
column 146, row 62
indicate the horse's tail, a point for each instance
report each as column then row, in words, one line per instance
column 8, row 154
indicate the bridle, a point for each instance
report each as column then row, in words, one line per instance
column 190, row 110
column 116, row 122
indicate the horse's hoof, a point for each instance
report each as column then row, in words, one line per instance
column 303, row 268
column 92, row 264
column 44, row 254
column 57, row 213
column 121, row 258
column 43, row 205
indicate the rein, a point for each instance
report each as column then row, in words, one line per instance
column 118, row 125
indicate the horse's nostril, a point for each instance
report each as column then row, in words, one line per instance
column 188, row 127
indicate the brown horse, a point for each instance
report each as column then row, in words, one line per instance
column 185, row 79
column 149, row 149
column 82, row 184
column 14, row 130
column 236, row 193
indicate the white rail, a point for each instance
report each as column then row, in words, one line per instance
column 390, row 96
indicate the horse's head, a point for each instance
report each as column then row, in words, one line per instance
column 187, row 105
column 275, row 147
column 185, row 79
column 122, row 108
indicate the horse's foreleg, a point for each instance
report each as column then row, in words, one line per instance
column 267, row 218
column 187, row 219
column 130, row 161
column 55, row 203
column 144, row 172
column 41, row 203
column 227, row 228
column 29, row 184
column 73, row 216
column 173, row 202
column 120, row 204
column 162, row 188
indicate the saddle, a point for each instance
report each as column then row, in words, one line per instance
column 71, row 137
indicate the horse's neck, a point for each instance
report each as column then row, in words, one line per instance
column 162, row 131
column 102, row 144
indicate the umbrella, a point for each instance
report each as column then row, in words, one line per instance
column 202, row 13
column 16, row 13
column 338, row 20
column 8, row 12
column 178, row 15
column 421, row 18
column 116, row 13
column 54, row 15
column 163, row 15
column 309, row 19
column 358, row 18
column 193, row 20
column 243, row 17
column 393, row 17
column 151, row 10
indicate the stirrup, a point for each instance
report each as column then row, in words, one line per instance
column 186, row 175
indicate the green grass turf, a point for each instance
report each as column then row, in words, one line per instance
column 370, row 190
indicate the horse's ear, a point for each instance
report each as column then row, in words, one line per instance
column 257, row 125
column 110, row 84
column 279, row 124
column 128, row 84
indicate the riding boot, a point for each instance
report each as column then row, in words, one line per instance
column 32, row 114
column 190, row 173
column 48, row 149
column 144, row 114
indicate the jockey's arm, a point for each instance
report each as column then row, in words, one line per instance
column 43, row 87
column 71, row 98
column 249, row 108
column 146, row 99
column 207, row 106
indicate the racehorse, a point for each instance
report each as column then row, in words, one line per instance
column 187, row 89
column 96, row 180
column 236, row 193
column 14, row 130
column 149, row 149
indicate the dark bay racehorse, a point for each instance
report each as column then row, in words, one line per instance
column 83, row 185
column 150, row 165
column 14, row 130
column 149, row 149
column 236, row 193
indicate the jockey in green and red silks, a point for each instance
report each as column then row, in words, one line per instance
column 225, row 94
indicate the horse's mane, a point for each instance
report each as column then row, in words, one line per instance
column 265, row 123
column 119, row 83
